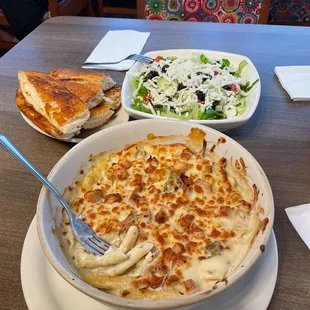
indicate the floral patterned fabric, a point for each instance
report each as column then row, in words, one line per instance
column 223, row 11
column 289, row 12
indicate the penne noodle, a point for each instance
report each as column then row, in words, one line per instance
column 129, row 240
column 112, row 258
column 87, row 260
column 133, row 257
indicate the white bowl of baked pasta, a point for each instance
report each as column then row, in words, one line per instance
column 186, row 209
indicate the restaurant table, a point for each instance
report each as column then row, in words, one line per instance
column 278, row 135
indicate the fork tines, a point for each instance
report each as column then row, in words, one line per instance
column 141, row 58
column 97, row 245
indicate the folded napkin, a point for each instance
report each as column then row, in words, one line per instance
column 300, row 218
column 295, row 80
column 115, row 46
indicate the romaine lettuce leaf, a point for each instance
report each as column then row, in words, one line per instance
column 247, row 87
column 142, row 91
column 241, row 66
column 136, row 81
column 174, row 115
column 241, row 107
column 210, row 114
column 225, row 63
column 137, row 105
column 204, row 59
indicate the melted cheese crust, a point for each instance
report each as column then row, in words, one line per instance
column 195, row 212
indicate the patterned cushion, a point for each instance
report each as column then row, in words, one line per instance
column 223, row 11
column 289, row 11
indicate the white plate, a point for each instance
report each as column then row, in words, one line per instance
column 121, row 116
column 45, row 289
column 250, row 73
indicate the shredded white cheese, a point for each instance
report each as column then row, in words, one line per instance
column 177, row 84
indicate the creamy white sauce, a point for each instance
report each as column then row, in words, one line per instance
column 203, row 268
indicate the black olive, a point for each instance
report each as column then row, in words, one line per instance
column 181, row 86
column 208, row 77
column 151, row 75
column 215, row 103
column 164, row 68
column 226, row 87
column 169, row 98
column 199, row 73
column 200, row 95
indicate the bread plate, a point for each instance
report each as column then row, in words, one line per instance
column 250, row 73
column 121, row 116
column 115, row 138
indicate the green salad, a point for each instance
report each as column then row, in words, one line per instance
column 193, row 88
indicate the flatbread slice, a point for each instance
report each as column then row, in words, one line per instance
column 104, row 80
column 51, row 99
column 91, row 94
column 98, row 116
column 112, row 97
column 39, row 120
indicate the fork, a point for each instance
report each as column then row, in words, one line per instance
column 136, row 57
column 81, row 231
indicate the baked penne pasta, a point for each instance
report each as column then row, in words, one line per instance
column 179, row 217
column 129, row 240
column 133, row 257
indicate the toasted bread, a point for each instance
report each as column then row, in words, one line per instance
column 104, row 80
column 112, row 97
column 36, row 118
column 51, row 99
column 98, row 116
column 91, row 94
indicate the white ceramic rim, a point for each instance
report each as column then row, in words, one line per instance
column 238, row 119
column 146, row 304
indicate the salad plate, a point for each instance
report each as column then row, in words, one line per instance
column 217, row 89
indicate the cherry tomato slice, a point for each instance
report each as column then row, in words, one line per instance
column 147, row 97
column 158, row 59
column 233, row 87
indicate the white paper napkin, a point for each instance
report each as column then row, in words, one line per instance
column 117, row 45
column 295, row 80
column 300, row 218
